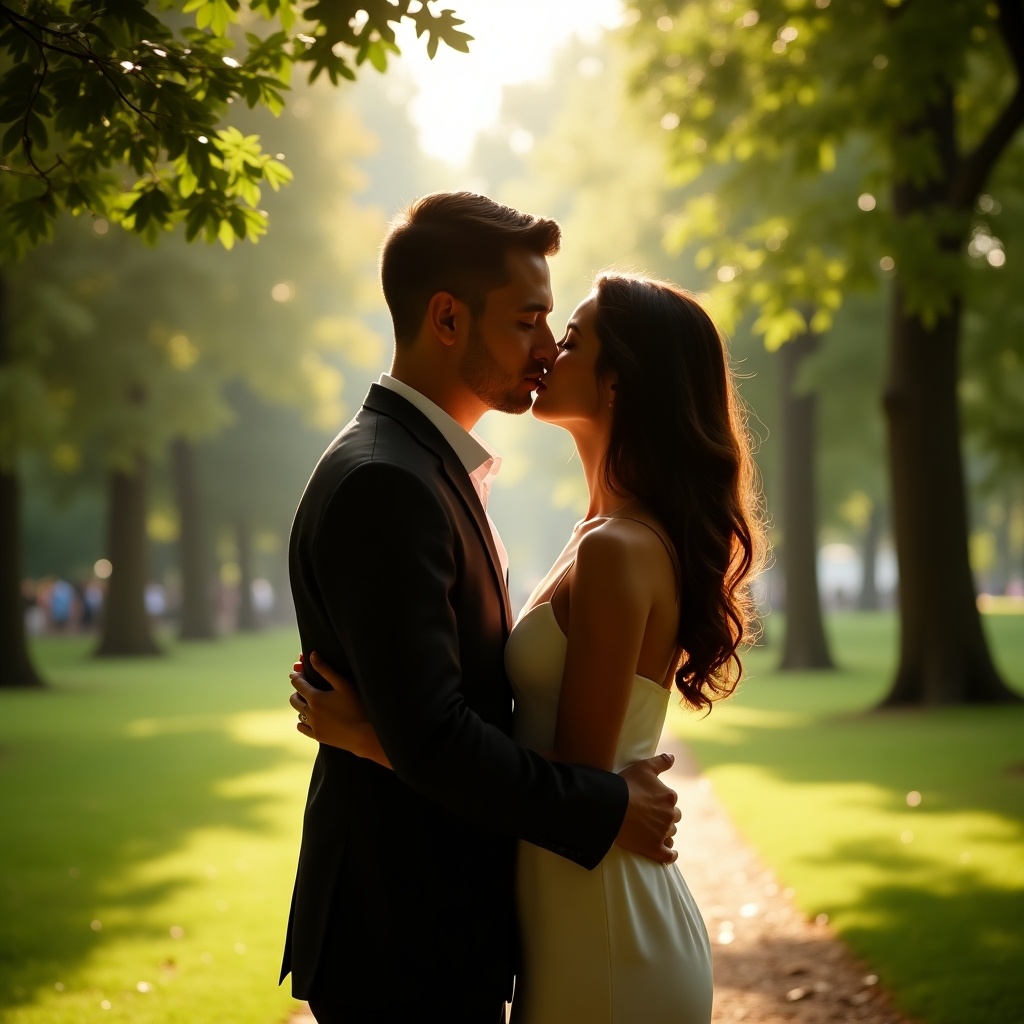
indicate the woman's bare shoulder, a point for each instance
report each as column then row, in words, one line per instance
column 632, row 547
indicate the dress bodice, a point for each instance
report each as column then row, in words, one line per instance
column 535, row 658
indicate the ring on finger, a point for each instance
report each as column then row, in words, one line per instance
column 302, row 716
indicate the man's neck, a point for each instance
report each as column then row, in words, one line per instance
column 450, row 396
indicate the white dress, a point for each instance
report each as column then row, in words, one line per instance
column 625, row 942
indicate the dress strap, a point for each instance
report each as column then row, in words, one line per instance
column 558, row 582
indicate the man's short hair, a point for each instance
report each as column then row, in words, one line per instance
column 454, row 242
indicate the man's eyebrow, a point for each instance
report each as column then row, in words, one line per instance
column 535, row 307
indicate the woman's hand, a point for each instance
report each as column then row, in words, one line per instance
column 336, row 716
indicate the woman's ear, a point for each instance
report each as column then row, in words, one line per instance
column 608, row 385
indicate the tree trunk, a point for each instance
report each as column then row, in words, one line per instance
column 247, row 621
column 193, row 554
column 125, row 626
column 867, row 599
column 16, row 667
column 944, row 656
column 804, row 645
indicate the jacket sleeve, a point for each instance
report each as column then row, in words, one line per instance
column 385, row 565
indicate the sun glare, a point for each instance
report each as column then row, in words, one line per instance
column 458, row 95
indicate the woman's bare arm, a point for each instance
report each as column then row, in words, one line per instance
column 610, row 603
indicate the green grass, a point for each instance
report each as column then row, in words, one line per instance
column 151, row 813
column 162, row 799
column 931, row 896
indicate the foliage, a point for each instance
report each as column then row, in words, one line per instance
column 992, row 391
column 929, row 896
column 114, row 108
column 805, row 105
column 128, row 347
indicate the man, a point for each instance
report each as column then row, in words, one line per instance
column 398, row 578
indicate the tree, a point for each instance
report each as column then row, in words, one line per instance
column 804, row 645
column 923, row 99
column 96, row 90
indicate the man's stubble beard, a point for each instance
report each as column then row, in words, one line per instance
column 487, row 380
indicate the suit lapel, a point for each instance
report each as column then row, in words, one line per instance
column 384, row 401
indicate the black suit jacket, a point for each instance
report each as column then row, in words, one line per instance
column 404, row 893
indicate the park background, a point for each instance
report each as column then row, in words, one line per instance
column 843, row 184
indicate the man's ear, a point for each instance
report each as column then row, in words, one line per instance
column 444, row 313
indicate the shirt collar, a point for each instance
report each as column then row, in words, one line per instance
column 472, row 450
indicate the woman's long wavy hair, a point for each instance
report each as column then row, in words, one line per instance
column 679, row 444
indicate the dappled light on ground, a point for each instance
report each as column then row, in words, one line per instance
column 156, row 814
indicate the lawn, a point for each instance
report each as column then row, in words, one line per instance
column 905, row 828
column 151, row 813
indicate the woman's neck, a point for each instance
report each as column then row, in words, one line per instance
column 604, row 500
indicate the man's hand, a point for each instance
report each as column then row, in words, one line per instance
column 336, row 716
column 650, row 822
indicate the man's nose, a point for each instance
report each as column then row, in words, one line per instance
column 545, row 349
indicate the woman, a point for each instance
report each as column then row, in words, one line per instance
column 650, row 590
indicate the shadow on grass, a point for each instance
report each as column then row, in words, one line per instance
column 117, row 766
column 969, row 931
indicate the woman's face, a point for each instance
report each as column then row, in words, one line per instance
column 571, row 392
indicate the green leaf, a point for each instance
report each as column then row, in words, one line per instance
column 12, row 138
column 226, row 234
column 187, row 180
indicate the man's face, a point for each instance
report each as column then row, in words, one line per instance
column 510, row 345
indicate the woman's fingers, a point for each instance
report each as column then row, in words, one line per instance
column 302, row 686
column 299, row 703
column 337, row 681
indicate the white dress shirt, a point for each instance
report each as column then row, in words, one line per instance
column 481, row 461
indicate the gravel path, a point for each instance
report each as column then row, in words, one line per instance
column 772, row 966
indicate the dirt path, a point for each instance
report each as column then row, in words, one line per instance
column 772, row 966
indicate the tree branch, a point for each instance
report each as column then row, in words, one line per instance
column 1011, row 24
column 975, row 168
